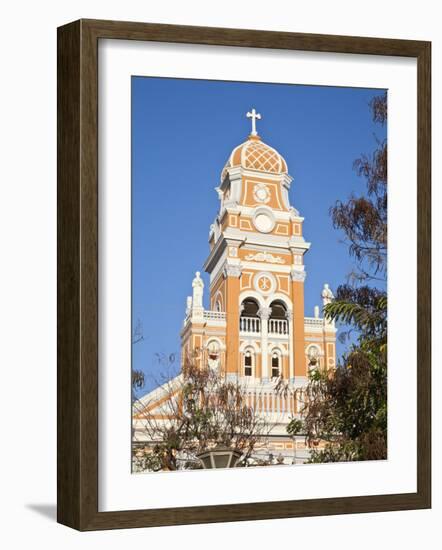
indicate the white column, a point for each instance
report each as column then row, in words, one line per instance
column 264, row 314
column 289, row 316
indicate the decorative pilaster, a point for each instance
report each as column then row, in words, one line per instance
column 232, row 273
column 298, row 334
column 264, row 313
column 289, row 317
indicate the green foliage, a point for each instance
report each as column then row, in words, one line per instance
column 346, row 409
column 295, row 426
column 137, row 379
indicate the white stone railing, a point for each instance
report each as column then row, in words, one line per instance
column 214, row 315
column 278, row 326
column 251, row 325
column 313, row 322
column 270, row 402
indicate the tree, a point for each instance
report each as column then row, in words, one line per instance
column 363, row 219
column 346, row 408
column 195, row 411
column 138, row 378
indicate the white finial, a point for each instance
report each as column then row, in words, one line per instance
column 254, row 116
column 316, row 312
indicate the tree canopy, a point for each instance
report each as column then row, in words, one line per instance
column 199, row 410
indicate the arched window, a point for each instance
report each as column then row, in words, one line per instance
column 278, row 323
column 218, row 306
column 249, row 359
column 279, row 310
column 276, row 364
column 249, row 308
column 249, row 320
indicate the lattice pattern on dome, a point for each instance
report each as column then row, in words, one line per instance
column 256, row 155
column 259, row 156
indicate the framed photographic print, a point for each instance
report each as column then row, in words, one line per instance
column 243, row 275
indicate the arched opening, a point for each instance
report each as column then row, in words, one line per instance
column 279, row 310
column 278, row 323
column 249, row 320
column 276, row 364
column 249, row 308
column 249, row 361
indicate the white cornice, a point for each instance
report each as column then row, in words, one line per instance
column 263, row 248
column 237, row 171
column 236, row 237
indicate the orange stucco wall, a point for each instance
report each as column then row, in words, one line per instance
column 232, row 325
column 298, row 327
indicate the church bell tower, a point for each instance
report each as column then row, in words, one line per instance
column 255, row 328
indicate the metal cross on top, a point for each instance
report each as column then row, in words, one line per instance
column 254, row 116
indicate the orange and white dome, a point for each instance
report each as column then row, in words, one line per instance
column 256, row 155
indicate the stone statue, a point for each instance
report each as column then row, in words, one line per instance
column 198, row 289
column 327, row 295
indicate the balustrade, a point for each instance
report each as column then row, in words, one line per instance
column 250, row 324
column 214, row 315
column 253, row 325
column 278, row 326
column 270, row 402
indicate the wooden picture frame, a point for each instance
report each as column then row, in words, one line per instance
column 78, row 274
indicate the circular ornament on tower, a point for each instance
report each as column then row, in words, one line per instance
column 264, row 220
column 261, row 193
column 265, row 283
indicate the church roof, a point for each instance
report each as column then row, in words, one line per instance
column 254, row 154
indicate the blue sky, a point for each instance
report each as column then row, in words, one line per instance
column 182, row 134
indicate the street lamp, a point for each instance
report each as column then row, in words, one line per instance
column 219, row 457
